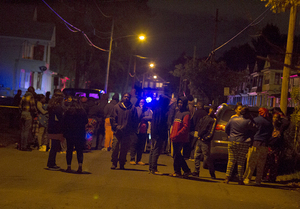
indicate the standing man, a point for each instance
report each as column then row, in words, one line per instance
column 180, row 136
column 199, row 114
column 257, row 154
column 159, row 133
column 124, row 125
column 29, row 111
column 205, row 129
column 239, row 129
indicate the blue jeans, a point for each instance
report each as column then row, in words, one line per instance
column 156, row 146
column 203, row 148
column 26, row 124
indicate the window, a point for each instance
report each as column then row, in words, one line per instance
column 38, row 52
column 146, row 84
column 260, row 78
column 277, row 80
column 159, row 85
column 296, row 81
column 254, row 84
column 27, row 50
column 267, row 78
column 151, row 85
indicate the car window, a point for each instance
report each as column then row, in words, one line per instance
column 94, row 95
column 227, row 114
column 80, row 94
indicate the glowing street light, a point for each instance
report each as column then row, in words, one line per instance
column 142, row 37
column 155, row 76
column 151, row 65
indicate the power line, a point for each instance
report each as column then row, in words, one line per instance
column 251, row 24
column 70, row 26
column 101, row 11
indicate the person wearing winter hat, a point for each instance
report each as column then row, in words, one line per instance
column 257, row 154
column 180, row 136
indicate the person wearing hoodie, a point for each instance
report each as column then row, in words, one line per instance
column 205, row 129
column 29, row 111
column 108, row 113
column 180, row 136
column 257, row 154
column 124, row 125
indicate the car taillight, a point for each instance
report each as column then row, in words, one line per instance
column 220, row 127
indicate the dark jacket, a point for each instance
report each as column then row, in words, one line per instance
column 74, row 124
column 264, row 129
column 159, row 126
column 197, row 117
column 239, row 129
column 55, row 123
column 125, row 119
column 206, row 127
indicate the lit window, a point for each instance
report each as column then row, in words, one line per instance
column 146, row 84
column 151, row 85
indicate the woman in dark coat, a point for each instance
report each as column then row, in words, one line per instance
column 75, row 119
column 55, row 110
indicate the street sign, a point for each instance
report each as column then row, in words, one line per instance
column 226, row 91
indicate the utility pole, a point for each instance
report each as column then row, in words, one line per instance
column 215, row 33
column 109, row 56
column 288, row 59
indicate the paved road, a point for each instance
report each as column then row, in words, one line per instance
column 25, row 183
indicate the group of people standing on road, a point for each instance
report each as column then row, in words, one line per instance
column 258, row 140
column 177, row 127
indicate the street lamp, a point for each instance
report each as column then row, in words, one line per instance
column 151, row 65
column 141, row 37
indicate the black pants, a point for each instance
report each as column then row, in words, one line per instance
column 55, row 147
column 179, row 162
column 137, row 146
column 78, row 143
column 120, row 146
column 156, row 147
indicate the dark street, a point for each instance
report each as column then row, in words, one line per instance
column 26, row 183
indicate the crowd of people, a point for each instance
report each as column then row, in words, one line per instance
column 177, row 127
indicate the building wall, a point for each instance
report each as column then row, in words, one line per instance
column 19, row 73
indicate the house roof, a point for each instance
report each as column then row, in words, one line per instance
column 18, row 22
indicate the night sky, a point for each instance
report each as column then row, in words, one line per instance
column 178, row 26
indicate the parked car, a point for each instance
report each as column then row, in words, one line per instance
column 95, row 93
column 219, row 142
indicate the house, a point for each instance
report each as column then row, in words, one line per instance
column 152, row 85
column 25, row 47
column 264, row 88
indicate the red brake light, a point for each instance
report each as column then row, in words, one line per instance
column 220, row 127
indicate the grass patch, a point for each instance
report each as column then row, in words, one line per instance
column 292, row 180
